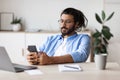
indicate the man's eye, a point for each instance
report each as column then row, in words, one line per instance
column 68, row 21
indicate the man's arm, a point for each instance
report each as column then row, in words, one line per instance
column 44, row 59
column 62, row 59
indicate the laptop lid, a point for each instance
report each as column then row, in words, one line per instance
column 6, row 64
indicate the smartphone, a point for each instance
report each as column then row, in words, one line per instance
column 32, row 48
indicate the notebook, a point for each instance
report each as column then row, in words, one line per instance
column 7, row 65
column 69, row 67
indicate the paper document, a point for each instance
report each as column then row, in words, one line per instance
column 34, row 72
column 69, row 67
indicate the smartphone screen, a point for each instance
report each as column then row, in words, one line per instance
column 32, row 48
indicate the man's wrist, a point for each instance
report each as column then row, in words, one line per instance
column 52, row 61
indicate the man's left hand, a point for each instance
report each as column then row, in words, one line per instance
column 44, row 59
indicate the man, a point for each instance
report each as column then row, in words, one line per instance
column 66, row 48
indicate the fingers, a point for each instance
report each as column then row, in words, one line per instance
column 40, row 58
column 32, row 53
column 32, row 58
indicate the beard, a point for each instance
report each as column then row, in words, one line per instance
column 67, row 31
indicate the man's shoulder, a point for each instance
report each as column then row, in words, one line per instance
column 83, row 35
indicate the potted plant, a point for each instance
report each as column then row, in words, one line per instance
column 16, row 24
column 100, row 40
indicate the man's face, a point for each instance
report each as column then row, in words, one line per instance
column 67, row 24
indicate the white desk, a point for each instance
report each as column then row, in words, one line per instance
column 50, row 72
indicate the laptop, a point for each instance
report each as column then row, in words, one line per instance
column 7, row 65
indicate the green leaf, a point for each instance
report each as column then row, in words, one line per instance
column 96, row 34
column 98, row 18
column 97, row 42
column 105, row 41
column 103, row 49
column 96, row 50
column 103, row 15
column 111, row 15
column 106, row 33
column 16, row 20
column 106, row 28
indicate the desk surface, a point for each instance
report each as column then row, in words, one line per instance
column 50, row 72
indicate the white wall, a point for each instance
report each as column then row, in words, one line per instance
column 44, row 14
column 114, row 24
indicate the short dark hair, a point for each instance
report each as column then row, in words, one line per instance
column 78, row 17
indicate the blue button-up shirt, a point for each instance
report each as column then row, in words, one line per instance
column 78, row 46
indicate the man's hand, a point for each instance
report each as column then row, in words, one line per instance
column 33, row 58
column 44, row 59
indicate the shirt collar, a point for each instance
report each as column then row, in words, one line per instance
column 70, row 37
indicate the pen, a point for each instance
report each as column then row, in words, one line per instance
column 70, row 67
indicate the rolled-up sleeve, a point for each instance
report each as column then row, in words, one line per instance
column 81, row 54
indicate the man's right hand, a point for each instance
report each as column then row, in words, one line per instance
column 32, row 58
